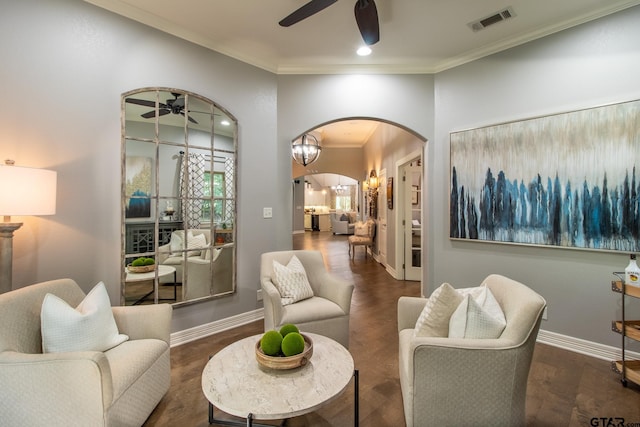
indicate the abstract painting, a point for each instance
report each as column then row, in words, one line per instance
column 565, row 180
column 138, row 187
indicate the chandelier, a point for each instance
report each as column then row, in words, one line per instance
column 306, row 150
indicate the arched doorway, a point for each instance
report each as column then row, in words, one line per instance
column 355, row 147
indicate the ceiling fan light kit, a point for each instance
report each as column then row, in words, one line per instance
column 365, row 11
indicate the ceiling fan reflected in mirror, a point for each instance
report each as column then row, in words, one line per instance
column 174, row 106
column 365, row 11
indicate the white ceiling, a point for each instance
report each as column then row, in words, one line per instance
column 416, row 36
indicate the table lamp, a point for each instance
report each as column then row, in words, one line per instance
column 23, row 191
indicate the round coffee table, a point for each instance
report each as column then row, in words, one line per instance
column 163, row 270
column 235, row 383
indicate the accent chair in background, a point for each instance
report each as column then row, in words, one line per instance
column 324, row 311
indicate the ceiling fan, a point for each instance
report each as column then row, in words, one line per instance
column 365, row 11
column 175, row 106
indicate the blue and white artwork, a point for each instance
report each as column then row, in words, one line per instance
column 567, row 180
column 138, row 187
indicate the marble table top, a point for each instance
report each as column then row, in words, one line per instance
column 235, row 383
column 163, row 270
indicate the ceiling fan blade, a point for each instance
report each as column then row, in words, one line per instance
column 152, row 113
column 191, row 119
column 367, row 18
column 311, row 8
column 144, row 102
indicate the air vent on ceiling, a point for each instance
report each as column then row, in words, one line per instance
column 494, row 18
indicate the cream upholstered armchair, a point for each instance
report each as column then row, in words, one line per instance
column 117, row 387
column 470, row 381
column 168, row 254
column 210, row 275
column 325, row 313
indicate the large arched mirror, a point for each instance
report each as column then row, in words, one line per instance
column 179, row 167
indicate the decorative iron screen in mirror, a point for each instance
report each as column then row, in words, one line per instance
column 179, row 165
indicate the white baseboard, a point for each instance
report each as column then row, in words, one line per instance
column 577, row 345
column 201, row 331
column 588, row 348
column 298, row 232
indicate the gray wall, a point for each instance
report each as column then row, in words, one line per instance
column 594, row 64
column 67, row 62
column 65, row 65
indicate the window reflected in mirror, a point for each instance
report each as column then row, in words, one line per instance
column 179, row 169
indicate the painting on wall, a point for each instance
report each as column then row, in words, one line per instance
column 138, row 187
column 567, row 180
column 390, row 192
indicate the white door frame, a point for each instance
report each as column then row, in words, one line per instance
column 383, row 218
column 400, row 214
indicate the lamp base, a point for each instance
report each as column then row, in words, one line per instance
column 6, row 254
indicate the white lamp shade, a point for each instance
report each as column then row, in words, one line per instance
column 27, row 191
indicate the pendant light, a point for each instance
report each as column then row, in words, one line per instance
column 306, row 150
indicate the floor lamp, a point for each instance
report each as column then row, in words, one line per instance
column 23, row 191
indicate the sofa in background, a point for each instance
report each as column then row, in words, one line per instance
column 118, row 387
column 470, row 381
column 343, row 222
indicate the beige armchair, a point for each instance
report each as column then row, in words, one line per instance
column 326, row 313
column 209, row 276
column 118, row 387
column 455, row 382
column 166, row 257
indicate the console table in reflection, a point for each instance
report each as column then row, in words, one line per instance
column 139, row 236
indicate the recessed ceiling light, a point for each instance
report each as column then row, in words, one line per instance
column 364, row 51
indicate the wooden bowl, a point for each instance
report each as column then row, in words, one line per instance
column 141, row 268
column 282, row 362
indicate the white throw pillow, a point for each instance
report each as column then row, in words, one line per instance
column 195, row 241
column 88, row 327
column 434, row 318
column 291, row 281
column 176, row 243
column 477, row 316
column 361, row 229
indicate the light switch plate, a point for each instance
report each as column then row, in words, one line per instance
column 267, row 212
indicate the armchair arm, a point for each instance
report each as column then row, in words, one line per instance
column 164, row 252
column 198, row 279
column 409, row 309
column 337, row 290
column 144, row 321
column 491, row 372
column 70, row 388
column 272, row 303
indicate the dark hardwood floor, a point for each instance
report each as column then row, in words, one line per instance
column 564, row 389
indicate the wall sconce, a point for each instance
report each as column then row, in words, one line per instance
column 24, row 191
column 373, row 179
column 306, row 150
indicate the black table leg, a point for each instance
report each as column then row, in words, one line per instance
column 356, row 404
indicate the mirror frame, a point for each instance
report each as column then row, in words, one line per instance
column 156, row 197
